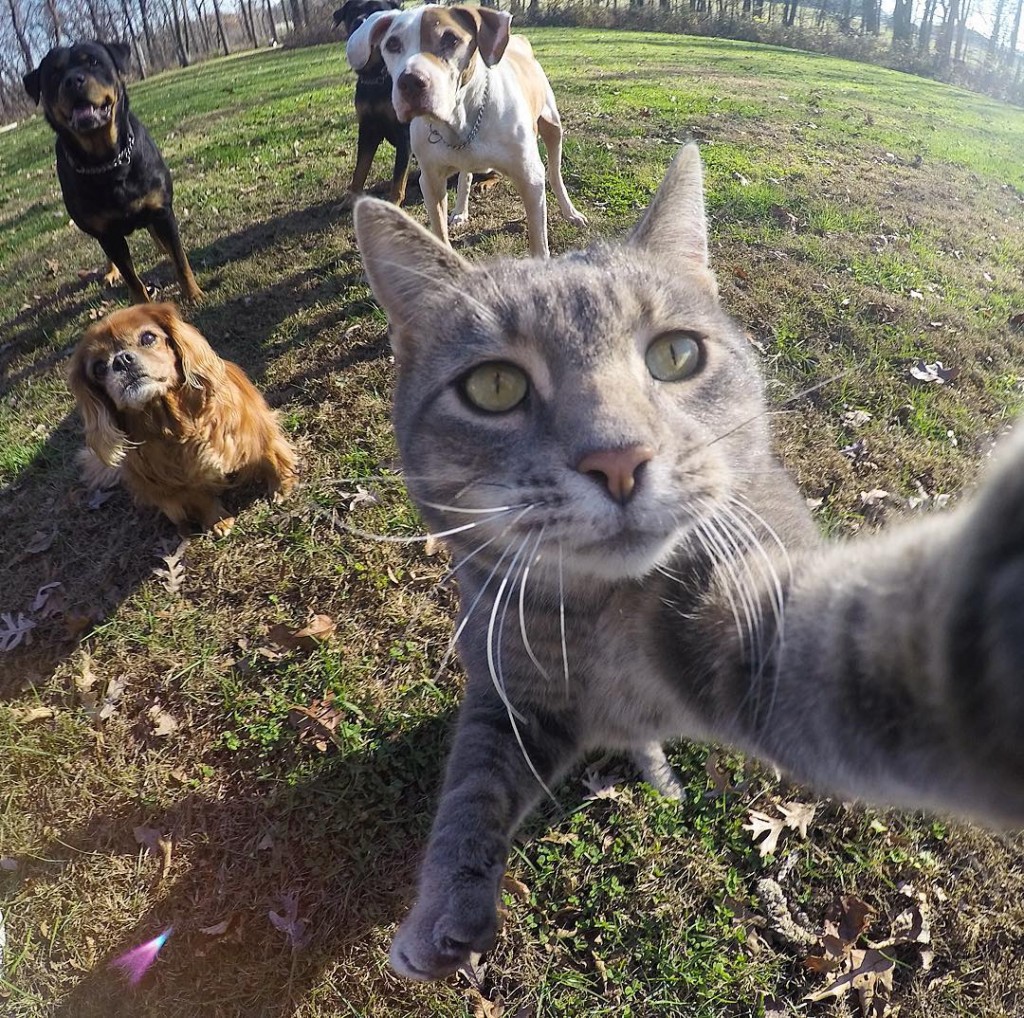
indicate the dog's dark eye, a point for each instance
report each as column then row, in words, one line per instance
column 449, row 40
column 147, row 338
column 99, row 369
column 393, row 45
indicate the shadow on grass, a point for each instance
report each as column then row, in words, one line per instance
column 344, row 844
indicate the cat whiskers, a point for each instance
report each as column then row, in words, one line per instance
column 494, row 659
column 533, row 557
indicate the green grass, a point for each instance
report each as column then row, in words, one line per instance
column 861, row 220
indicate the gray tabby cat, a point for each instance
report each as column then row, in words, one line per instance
column 634, row 565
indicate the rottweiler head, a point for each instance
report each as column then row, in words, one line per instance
column 80, row 88
column 355, row 12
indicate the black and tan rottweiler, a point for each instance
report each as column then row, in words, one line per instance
column 111, row 173
column 374, row 111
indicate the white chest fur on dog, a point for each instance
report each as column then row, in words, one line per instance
column 477, row 100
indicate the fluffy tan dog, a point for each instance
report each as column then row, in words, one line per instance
column 178, row 423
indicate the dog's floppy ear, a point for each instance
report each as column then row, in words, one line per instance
column 121, row 54
column 200, row 365
column 32, row 83
column 491, row 27
column 102, row 433
column 362, row 41
column 339, row 14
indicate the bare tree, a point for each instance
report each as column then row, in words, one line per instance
column 222, row 35
column 19, row 32
column 903, row 22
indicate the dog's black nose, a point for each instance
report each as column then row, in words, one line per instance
column 411, row 84
column 123, row 360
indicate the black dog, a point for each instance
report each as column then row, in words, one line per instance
column 111, row 173
column 374, row 111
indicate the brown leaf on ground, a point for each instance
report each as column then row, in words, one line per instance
column 40, row 541
column 870, row 974
column 721, row 782
column 515, row 887
column 317, row 722
column 601, row 786
column 308, row 638
column 161, row 723
column 484, row 1008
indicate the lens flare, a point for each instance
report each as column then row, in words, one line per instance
column 136, row 962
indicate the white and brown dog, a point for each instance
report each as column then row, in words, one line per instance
column 477, row 99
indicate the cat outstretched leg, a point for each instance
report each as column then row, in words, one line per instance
column 489, row 786
column 657, row 771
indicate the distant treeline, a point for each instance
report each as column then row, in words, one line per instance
column 926, row 37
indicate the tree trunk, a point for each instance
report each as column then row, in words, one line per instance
column 140, row 57
column 924, row 36
column 944, row 43
column 179, row 39
column 903, row 22
column 19, row 32
column 204, row 28
column 272, row 29
column 220, row 28
column 146, row 31
column 56, row 31
column 1011, row 51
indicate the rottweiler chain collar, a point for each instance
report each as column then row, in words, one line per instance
column 124, row 157
column 435, row 135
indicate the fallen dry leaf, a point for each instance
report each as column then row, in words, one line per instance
column 936, row 373
column 761, row 824
column 172, row 575
column 218, row 929
column 161, row 723
column 870, row 974
column 484, row 1008
column 515, row 887
column 317, row 722
column 28, row 714
column 798, row 815
column 40, row 541
column 308, row 638
column 14, row 630
column 288, row 922
column 601, row 786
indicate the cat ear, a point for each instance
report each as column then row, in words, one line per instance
column 407, row 265
column 674, row 225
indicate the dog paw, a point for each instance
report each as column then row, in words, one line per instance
column 458, row 219
column 576, row 218
column 438, row 937
column 346, row 203
column 112, row 276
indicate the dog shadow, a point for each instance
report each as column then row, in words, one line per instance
column 334, row 858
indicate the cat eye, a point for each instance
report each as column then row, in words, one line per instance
column 673, row 356
column 495, row 387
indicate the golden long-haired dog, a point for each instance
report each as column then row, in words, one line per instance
column 178, row 423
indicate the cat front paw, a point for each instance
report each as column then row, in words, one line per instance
column 437, row 937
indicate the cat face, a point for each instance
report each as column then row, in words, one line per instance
column 582, row 427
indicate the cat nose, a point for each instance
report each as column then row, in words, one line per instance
column 617, row 469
